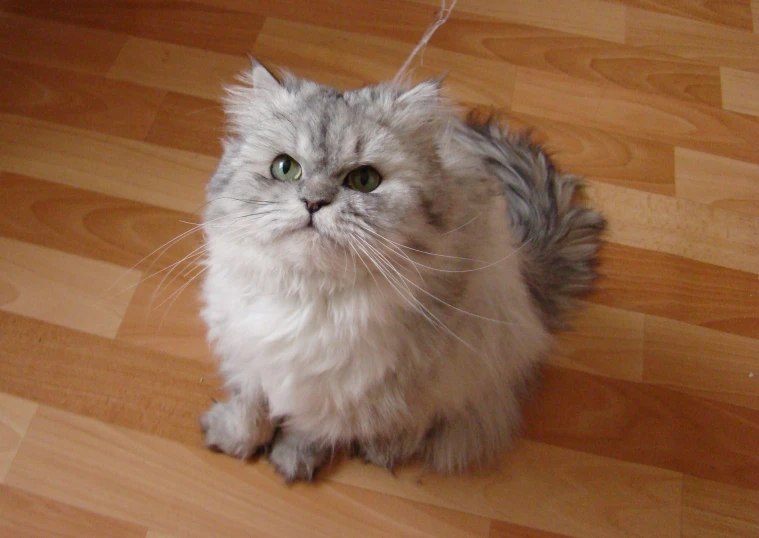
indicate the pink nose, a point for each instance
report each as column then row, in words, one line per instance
column 313, row 207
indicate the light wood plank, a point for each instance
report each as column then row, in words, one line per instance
column 115, row 166
column 590, row 18
column 96, row 466
column 709, row 43
column 680, row 288
column 584, row 58
column 55, row 44
column 740, row 91
column 15, row 416
column 105, row 379
column 61, row 288
column 714, row 510
column 25, row 515
column 702, row 361
column 736, row 13
column 80, row 100
column 679, row 227
column 176, row 68
column 93, row 225
column 755, row 13
column 639, row 114
column 646, row 424
column 164, row 315
column 545, row 488
column 340, row 58
column 183, row 23
column 717, row 181
column 604, row 341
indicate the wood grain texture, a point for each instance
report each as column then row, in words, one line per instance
column 62, row 288
column 55, row 44
column 702, row 361
column 646, row 424
column 736, row 13
column 717, row 181
column 648, row 116
column 111, row 381
column 311, row 51
column 180, row 22
column 501, row 529
column 591, row 18
column 133, row 170
column 695, row 40
column 164, row 315
column 188, row 123
column 80, row 100
column 680, row 288
column 583, row 58
column 740, row 91
column 608, row 157
column 176, row 68
column 15, row 416
column 220, row 497
column 25, row 515
column 714, row 510
column 545, row 488
column 680, row 227
column 605, row 341
column 93, row 225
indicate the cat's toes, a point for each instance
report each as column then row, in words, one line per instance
column 380, row 458
column 295, row 461
column 226, row 430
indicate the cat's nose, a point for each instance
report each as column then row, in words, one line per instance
column 313, row 207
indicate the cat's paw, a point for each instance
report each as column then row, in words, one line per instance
column 294, row 460
column 229, row 428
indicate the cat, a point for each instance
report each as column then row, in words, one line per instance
column 381, row 274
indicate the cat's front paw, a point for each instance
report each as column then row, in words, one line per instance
column 229, row 428
column 294, row 459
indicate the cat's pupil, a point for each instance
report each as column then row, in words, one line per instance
column 286, row 166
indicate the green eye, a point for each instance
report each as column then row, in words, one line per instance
column 286, row 168
column 363, row 179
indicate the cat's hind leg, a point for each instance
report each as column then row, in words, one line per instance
column 237, row 427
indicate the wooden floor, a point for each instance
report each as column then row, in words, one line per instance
column 647, row 424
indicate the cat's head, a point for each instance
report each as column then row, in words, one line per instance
column 312, row 173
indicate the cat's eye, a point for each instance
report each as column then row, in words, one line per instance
column 363, row 179
column 286, row 168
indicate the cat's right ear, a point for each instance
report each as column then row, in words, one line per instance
column 262, row 78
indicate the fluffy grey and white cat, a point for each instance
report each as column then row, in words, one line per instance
column 381, row 275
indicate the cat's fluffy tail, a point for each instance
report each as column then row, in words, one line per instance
column 559, row 236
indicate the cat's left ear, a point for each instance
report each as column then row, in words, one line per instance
column 262, row 78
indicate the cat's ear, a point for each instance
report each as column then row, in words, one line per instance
column 425, row 93
column 262, row 78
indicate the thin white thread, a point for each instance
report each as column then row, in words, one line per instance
column 442, row 18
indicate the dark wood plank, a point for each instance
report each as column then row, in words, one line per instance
column 91, row 224
column 175, row 21
column 108, row 380
column 679, row 288
column 189, row 123
column 646, row 424
column 76, row 99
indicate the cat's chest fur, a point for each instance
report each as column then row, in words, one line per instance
column 316, row 355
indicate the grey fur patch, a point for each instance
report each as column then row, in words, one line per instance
column 294, row 458
column 433, row 217
column 560, row 237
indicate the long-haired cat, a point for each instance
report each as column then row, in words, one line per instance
column 381, row 274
